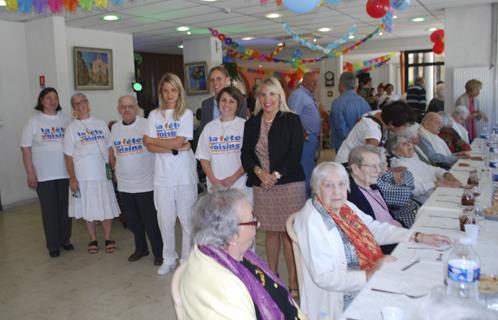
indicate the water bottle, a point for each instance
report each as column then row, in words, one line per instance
column 484, row 133
column 463, row 272
column 493, row 166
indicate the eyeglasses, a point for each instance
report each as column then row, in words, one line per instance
column 379, row 166
column 254, row 222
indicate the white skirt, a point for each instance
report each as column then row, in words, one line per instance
column 97, row 201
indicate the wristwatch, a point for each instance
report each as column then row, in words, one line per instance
column 277, row 175
column 174, row 152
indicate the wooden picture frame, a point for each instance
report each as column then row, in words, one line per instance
column 196, row 81
column 92, row 69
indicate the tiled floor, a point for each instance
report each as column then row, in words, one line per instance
column 76, row 285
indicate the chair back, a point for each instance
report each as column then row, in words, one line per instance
column 175, row 292
column 295, row 248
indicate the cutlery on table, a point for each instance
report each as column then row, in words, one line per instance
column 436, row 216
column 438, row 227
column 427, row 248
column 410, row 265
column 412, row 296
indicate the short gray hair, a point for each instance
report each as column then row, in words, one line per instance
column 356, row 155
column 394, row 142
column 77, row 94
column 216, row 219
column 462, row 111
column 325, row 168
column 447, row 122
column 410, row 131
column 348, row 79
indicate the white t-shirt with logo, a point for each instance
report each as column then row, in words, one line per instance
column 220, row 143
column 44, row 134
column 134, row 163
column 88, row 142
column 365, row 129
column 172, row 170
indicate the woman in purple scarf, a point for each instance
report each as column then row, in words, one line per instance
column 223, row 278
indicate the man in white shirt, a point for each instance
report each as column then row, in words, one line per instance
column 134, row 166
column 432, row 145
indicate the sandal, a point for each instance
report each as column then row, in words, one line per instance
column 110, row 246
column 93, row 247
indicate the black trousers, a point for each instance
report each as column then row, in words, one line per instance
column 141, row 218
column 53, row 197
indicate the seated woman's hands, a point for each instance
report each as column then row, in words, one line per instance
column 435, row 240
column 449, row 181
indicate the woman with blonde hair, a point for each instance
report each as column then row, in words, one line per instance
column 175, row 177
column 469, row 99
column 271, row 155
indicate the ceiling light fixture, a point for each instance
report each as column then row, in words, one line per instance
column 395, row 17
column 351, row 37
column 315, row 39
column 432, row 29
column 2, row 3
column 209, row 0
column 247, row 38
column 380, row 33
column 273, row 15
column 280, row 44
column 325, row 29
column 418, row 19
column 189, row 33
column 110, row 17
column 180, row 46
column 183, row 28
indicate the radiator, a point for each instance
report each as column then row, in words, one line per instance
column 487, row 98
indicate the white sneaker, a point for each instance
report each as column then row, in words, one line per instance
column 165, row 268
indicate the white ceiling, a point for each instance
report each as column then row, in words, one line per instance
column 153, row 23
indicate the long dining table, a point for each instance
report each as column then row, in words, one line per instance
column 419, row 268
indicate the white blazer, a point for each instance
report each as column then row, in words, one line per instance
column 325, row 273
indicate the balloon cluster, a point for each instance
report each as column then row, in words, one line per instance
column 300, row 6
column 438, row 38
column 379, row 8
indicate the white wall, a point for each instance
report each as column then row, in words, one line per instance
column 16, row 106
column 467, row 43
column 104, row 102
column 45, row 47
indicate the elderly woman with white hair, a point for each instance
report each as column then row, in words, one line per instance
column 340, row 244
column 450, row 136
column 437, row 103
column 223, row 278
column 427, row 177
column 459, row 116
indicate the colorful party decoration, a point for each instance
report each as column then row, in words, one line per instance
column 400, row 5
column 11, row 5
column 57, row 6
column 377, row 8
column 70, row 5
column 387, row 20
column 333, row 1
column 438, row 38
column 24, row 6
column 316, row 47
column 367, row 65
column 300, row 6
column 40, row 5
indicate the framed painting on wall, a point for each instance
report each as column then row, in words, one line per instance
column 196, row 78
column 92, row 69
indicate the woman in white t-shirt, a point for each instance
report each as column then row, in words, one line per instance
column 219, row 145
column 175, row 177
column 86, row 147
column 43, row 157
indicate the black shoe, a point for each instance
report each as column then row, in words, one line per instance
column 68, row 247
column 54, row 253
column 158, row 261
column 136, row 256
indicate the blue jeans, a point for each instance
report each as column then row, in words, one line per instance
column 308, row 159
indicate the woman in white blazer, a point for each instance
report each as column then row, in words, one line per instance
column 340, row 244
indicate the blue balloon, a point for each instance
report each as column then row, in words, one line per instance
column 400, row 4
column 333, row 1
column 301, row 6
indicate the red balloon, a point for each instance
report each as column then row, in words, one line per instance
column 438, row 48
column 437, row 36
column 378, row 8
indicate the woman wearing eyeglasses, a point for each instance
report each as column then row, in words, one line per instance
column 223, row 278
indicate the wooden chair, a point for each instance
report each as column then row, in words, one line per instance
column 289, row 226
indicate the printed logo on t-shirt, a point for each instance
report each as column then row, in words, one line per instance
column 53, row 134
column 167, row 130
column 89, row 135
column 129, row 146
column 224, row 144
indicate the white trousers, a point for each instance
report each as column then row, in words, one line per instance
column 173, row 202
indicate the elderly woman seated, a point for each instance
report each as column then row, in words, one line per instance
column 383, row 195
column 451, row 136
column 340, row 244
column 459, row 116
column 427, row 177
column 223, row 278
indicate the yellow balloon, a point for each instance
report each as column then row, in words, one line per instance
column 11, row 5
column 101, row 3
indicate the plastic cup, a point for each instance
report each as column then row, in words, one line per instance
column 392, row 313
column 472, row 231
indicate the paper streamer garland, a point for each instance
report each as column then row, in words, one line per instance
column 367, row 65
column 57, row 6
column 316, row 47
